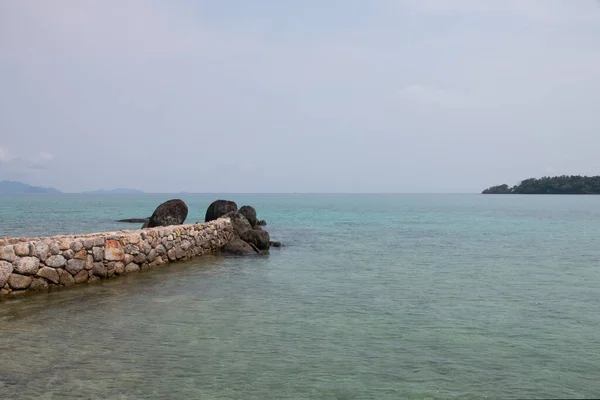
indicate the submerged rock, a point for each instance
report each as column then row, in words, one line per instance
column 171, row 212
column 134, row 220
column 276, row 244
column 218, row 208
column 239, row 248
column 258, row 237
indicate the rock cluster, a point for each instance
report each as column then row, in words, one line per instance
column 250, row 238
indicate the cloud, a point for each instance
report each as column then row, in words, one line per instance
column 46, row 157
column 364, row 86
column 5, row 156
column 548, row 11
column 41, row 160
column 19, row 165
column 431, row 95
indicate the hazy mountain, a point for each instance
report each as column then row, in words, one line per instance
column 115, row 191
column 13, row 187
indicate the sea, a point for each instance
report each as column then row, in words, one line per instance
column 374, row 296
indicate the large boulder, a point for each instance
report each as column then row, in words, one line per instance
column 219, row 208
column 258, row 237
column 250, row 213
column 172, row 212
column 239, row 248
column 239, row 222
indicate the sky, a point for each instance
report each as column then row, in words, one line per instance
column 409, row 96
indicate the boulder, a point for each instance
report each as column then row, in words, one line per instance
column 27, row 265
column 276, row 244
column 22, row 249
column 172, row 212
column 65, row 278
column 19, row 282
column 6, row 269
column 219, row 208
column 258, row 237
column 56, row 261
column 254, row 247
column 74, row 266
column 49, row 273
column 250, row 213
column 239, row 222
column 239, row 248
column 38, row 285
column 7, row 253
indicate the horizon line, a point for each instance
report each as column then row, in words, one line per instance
column 260, row 193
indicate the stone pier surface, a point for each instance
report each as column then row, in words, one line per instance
column 45, row 263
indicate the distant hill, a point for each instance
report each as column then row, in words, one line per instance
column 551, row 185
column 13, row 187
column 115, row 191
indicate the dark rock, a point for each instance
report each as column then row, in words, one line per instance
column 239, row 248
column 19, row 282
column 219, row 208
column 258, row 237
column 250, row 213
column 262, row 222
column 172, row 212
column 254, row 247
column 239, row 222
column 49, row 273
column 134, row 220
column 100, row 270
column 276, row 244
column 66, row 279
column 38, row 285
column 81, row 277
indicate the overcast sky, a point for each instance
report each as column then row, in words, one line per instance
column 298, row 96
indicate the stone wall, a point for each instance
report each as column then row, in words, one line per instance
column 44, row 263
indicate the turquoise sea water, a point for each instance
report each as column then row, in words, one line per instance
column 374, row 297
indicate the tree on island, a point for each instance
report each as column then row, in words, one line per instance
column 574, row 184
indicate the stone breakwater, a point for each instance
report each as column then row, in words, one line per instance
column 45, row 263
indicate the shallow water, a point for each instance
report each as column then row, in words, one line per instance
column 374, row 297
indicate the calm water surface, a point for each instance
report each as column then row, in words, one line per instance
column 374, row 297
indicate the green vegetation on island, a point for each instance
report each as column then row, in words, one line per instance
column 574, row 184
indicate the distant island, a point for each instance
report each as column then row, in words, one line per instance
column 573, row 184
column 14, row 187
column 115, row 191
